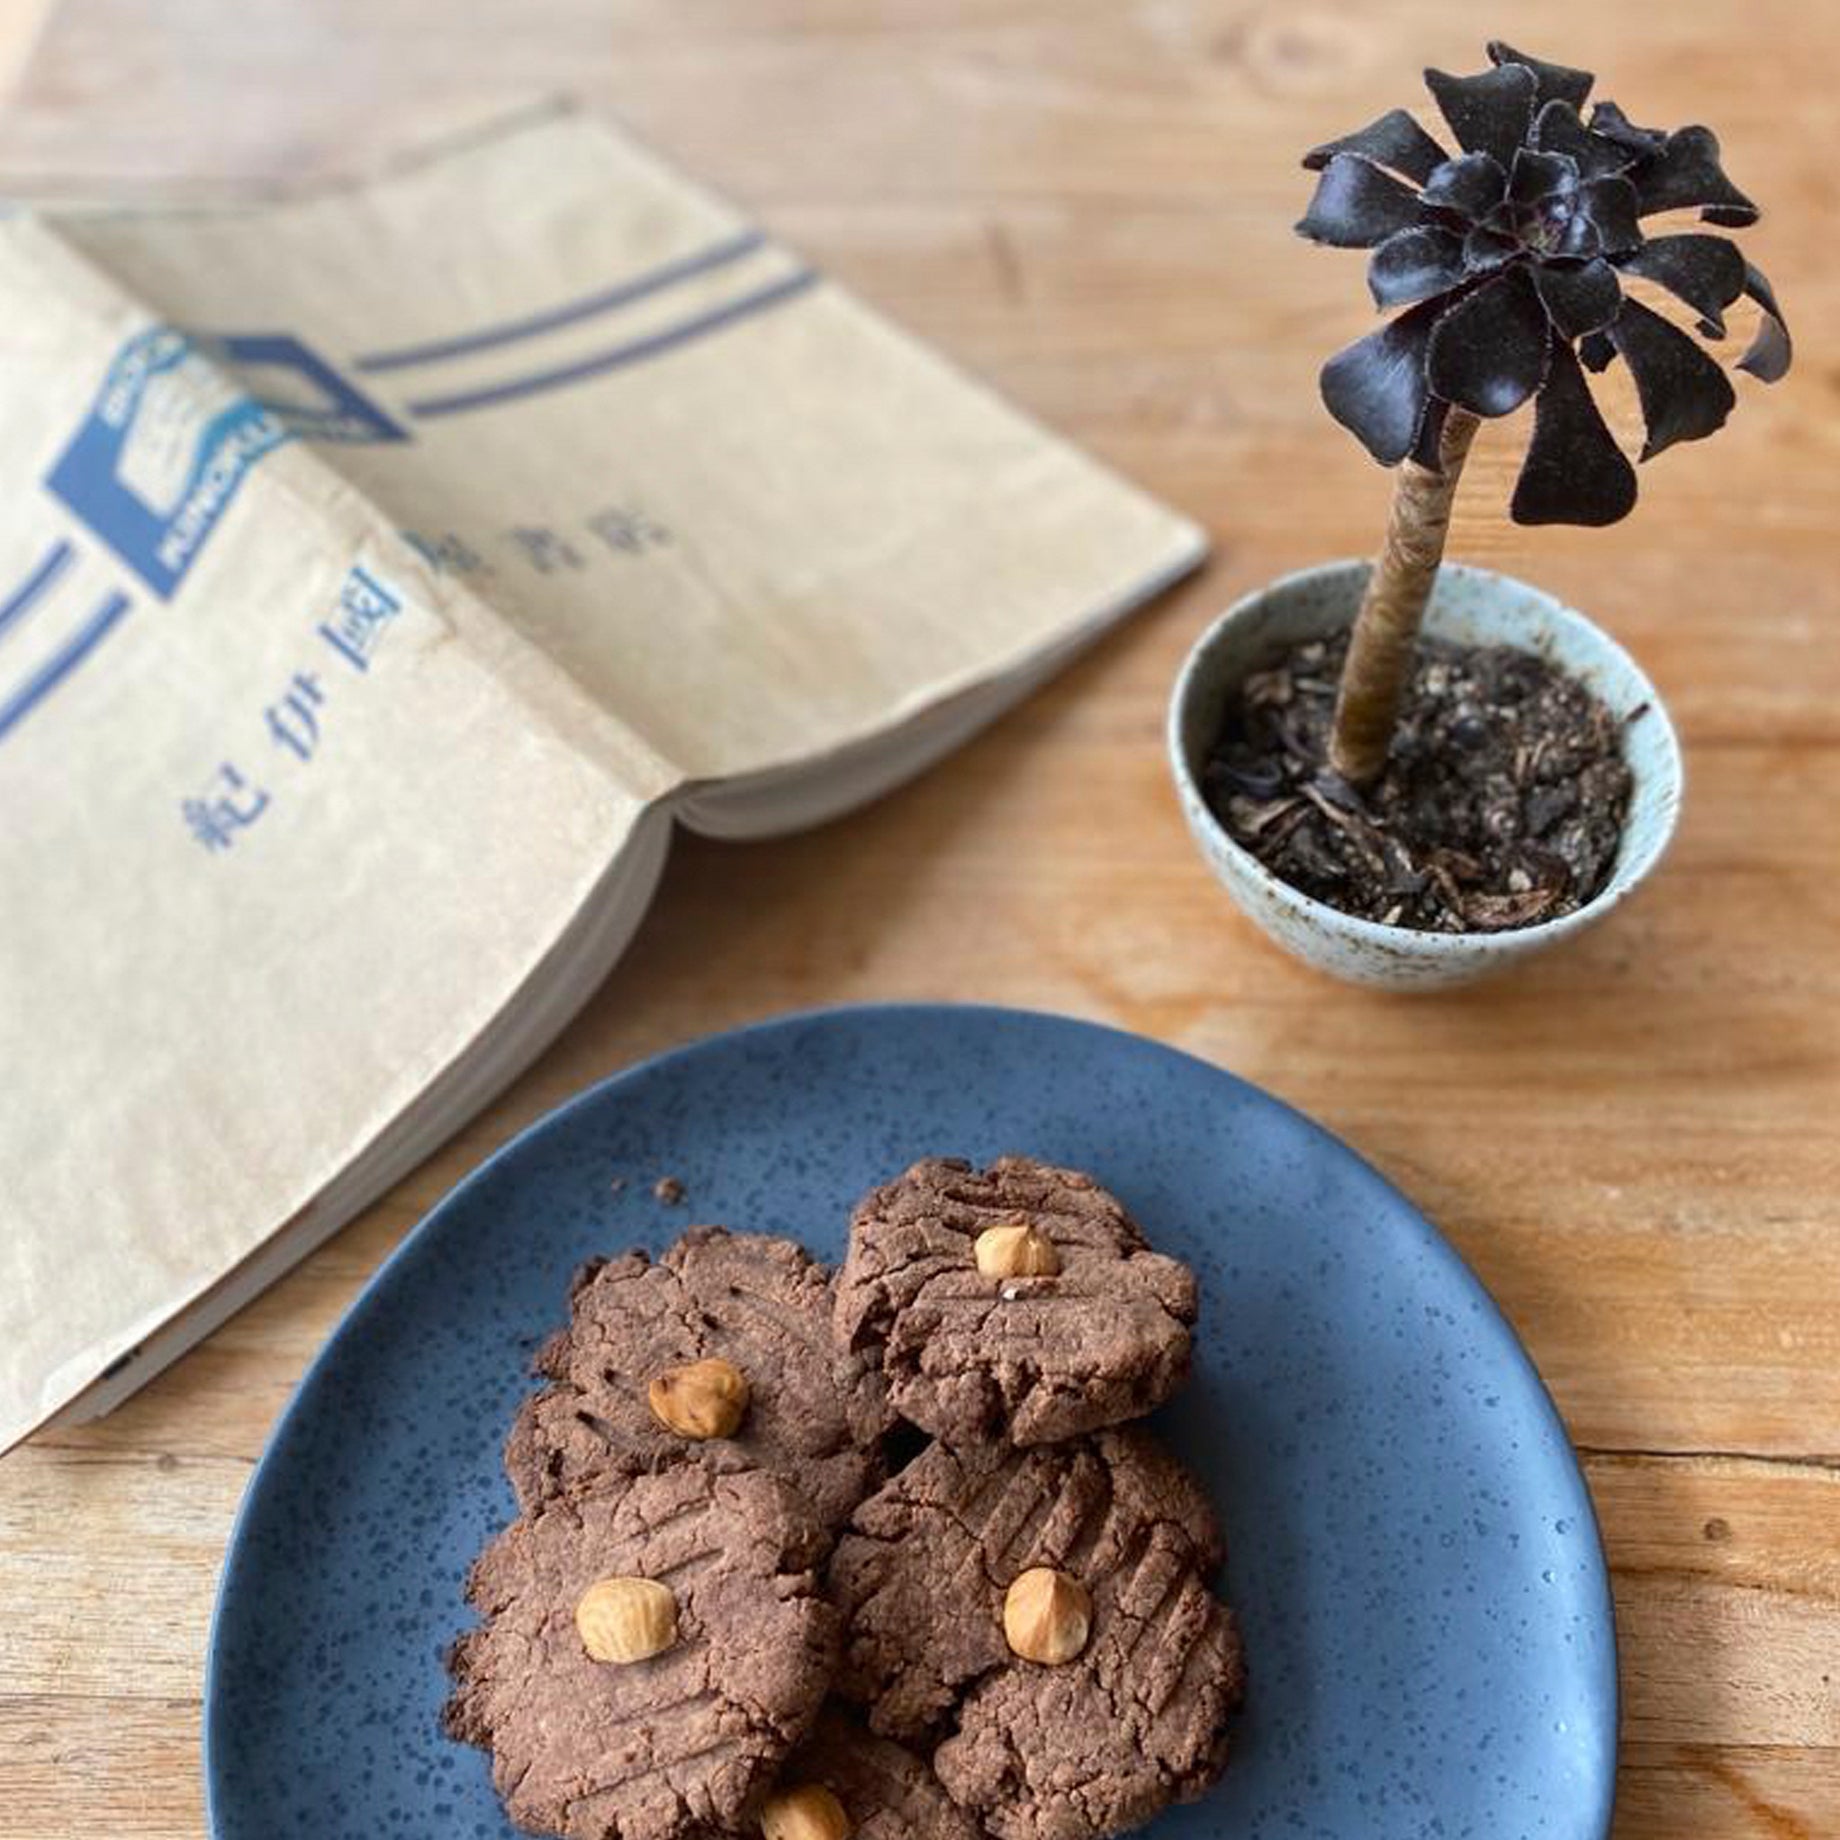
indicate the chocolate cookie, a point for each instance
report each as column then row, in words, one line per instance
column 811, row 1414
column 1019, row 1303
column 696, row 1588
column 885, row 1791
column 1131, row 1715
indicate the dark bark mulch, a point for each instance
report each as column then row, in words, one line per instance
column 1502, row 804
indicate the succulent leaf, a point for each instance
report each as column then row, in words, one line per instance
column 1485, row 248
column 1559, row 128
column 1581, row 299
column 1490, row 112
column 1551, row 81
column 1427, row 450
column 1610, row 121
column 1395, row 141
column 1376, row 387
column 1595, row 352
column 1579, row 240
column 1471, row 185
column 1687, row 172
column 1685, row 396
column 1610, row 205
column 1357, row 205
column 1537, row 175
column 1414, row 264
column 1574, row 472
column 1771, row 350
column 1706, row 272
column 1489, row 353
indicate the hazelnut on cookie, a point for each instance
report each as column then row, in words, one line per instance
column 719, row 1353
column 648, row 1656
column 1045, row 1618
column 1019, row 1303
column 845, row 1783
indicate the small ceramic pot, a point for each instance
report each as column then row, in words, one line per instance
column 1472, row 606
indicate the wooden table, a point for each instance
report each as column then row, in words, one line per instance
column 1633, row 1143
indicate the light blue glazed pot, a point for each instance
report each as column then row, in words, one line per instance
column 1472, row 606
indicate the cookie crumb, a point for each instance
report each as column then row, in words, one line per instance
column 669, row 1190
column 615, row 1186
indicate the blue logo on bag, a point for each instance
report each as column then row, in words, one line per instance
column 177, row 425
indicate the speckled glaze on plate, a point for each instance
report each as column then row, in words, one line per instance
column 1411, row 1546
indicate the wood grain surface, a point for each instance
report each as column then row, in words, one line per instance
column 1634, row 1143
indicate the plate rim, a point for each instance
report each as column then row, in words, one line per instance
column 1606, row 1752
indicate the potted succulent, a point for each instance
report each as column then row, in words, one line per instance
column 1410, row 772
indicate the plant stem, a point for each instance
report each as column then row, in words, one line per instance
column 1386, row 628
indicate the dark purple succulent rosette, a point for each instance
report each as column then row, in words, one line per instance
column 1509, row 260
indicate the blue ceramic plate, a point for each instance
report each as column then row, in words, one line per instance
column 1411, row 1546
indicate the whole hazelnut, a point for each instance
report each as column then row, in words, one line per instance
column 1018, row 1250
column 626, row 1619
column 1047, row 1616
column 706, row 1399
column 808, row 1812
